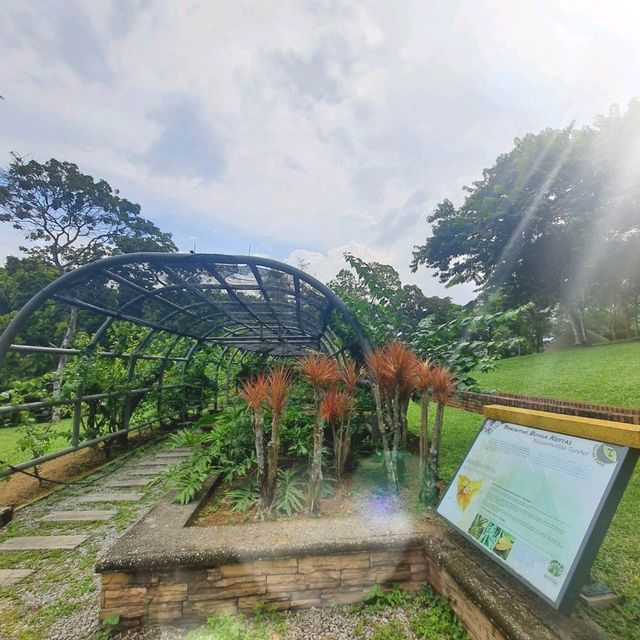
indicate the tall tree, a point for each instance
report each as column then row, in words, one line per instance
column 542, row 220
column 72, row 219
column 385, row 308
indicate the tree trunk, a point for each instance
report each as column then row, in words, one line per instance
column 626, row 319
column 36, row 473
column 583, row 329
column 260, row 452
column 613, row 322
column 577, row 327
column 537, row 330
column 66, row 343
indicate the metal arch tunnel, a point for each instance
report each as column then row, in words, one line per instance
column 230, row 305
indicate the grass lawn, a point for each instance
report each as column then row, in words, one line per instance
column 9, row 436
column 607, row 374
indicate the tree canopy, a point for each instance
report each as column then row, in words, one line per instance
column 71, row 218
column 551, row 220
column 384, row 307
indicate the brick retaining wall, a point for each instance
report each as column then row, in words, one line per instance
column 471, row 401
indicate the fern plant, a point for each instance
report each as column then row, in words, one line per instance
column 230, row 453
column 290, row 492
column 187, row 437
column 244, row 497
column 187, row 478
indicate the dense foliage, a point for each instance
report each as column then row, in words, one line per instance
column 70, row 219
column 465, row 339
column 384, row 307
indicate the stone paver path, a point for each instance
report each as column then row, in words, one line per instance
column 79, row 516
column 29, row 543
column 128, row 482
column 147, row 471
column 152, row 464
column 110, row 496
column 9, row 577
column 48, row 552
column 171, row 456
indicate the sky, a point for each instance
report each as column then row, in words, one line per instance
column 301, row 130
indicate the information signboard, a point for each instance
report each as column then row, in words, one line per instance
column 538, row 503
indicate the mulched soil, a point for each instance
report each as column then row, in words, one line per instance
column 21, row 488
column 355, row 495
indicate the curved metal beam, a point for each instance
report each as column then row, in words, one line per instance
column 185, row 260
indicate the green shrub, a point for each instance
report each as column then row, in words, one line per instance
column 230, row 453
column 435, row 620
column 228, row 627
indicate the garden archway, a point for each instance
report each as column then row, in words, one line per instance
column 177, row 308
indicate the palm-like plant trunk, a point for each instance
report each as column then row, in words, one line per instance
column 272, row 463
column 435, row 441
column 344, row 446
column 397, row 433
column 260, row 452
column 337, row 449
column 382, row 428
column 404, row 430
column 428, row 491
column 315, row 477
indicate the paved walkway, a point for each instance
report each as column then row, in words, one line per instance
column 48, row 588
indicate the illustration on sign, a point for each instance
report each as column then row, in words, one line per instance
column 528, row 498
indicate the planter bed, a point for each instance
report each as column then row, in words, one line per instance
column 166, row 571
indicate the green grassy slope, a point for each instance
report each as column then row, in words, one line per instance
column 607, row 374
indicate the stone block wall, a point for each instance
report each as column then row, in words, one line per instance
column 190, row 595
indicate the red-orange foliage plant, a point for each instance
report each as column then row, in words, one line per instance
column 392, row 371
column 255, row 394
column 277, row 390
column 336, row 408
column 323, row 374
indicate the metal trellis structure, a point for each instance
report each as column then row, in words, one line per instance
column 225, row 305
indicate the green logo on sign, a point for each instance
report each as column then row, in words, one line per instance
column 604, row 454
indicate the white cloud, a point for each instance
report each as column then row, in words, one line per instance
column 308, row 126
column 325, row 266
